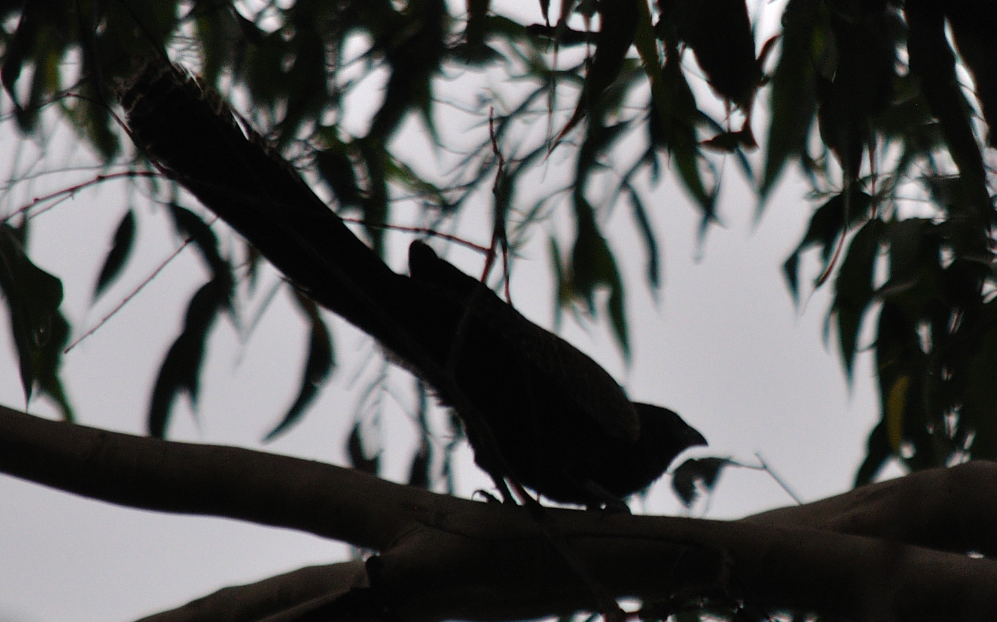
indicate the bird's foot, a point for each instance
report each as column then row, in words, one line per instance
column 612, row 503
column 489, row 497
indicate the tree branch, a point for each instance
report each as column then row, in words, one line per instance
column 443, row 557
column 946, row 509
column 147, row 473
column 284, row 597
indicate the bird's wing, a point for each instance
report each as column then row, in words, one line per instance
column 580, row 379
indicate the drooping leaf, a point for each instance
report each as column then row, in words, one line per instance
column 336, row 169
column 545, row 10
column 696, row 472
column 911, row 253
column 33, row 297
column 899, row 354
column 878, row 452
column 414, row 52
column 375, row 204
column 933, row 62
column 647, row 234
column 616, row 35
column 791, row 271
column 19, row 48
column 204, row 239
column 978, row 411
column 121, row 247
column 825, row 228
column 473, row 50
column 598, row 140
column 563, row 287
column 861, row 83
column 972, row 26
column 47, row 364
column 672, row 127
column 896, row 406
column 720, row 35
column 33, row 44
column 592, row 265
column 854, row 287
column 218, row 29
column 357, row 455
column 420, row 469
column 181, row 369
column 793, row 100
column 318, row 366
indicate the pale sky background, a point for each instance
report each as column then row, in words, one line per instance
column 723, row 345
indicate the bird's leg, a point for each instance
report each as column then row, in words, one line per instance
column 504, row 490
column 489, row 497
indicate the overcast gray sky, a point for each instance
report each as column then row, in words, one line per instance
column 722, row 344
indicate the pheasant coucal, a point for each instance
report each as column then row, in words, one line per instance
column 535, row 408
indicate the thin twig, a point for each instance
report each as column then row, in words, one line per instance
column 134, row 293
column 420, row 230
column 778, row 480
column 498, row 226
column 67, row 193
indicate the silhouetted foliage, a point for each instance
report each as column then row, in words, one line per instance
column 868, row 99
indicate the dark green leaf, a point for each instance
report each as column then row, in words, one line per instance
column 249, row 30
column 121, row 247
column 854, row 287
column 33, row 297
column 47, row 367
column 414, row 54
column 972, row 28
column 696, row 472
column 190, row 225
column 616, row 35
column 592, row 265
column 618, row 319
column 674, row 128
column 318, row 366
column 901, row 365
column 336, row 169
column 420, row 470
column 598, row 140
column 545, row 10
column 932, row 60
column 720, row 35
column 791, row 270
column 979, row 408
column 793, row 99
column 357, row 455
column 564, row 292
column 826, row 227
column 647, row 233
column 473, row 50
column 861, row 83
column 375, row 204
column 181, row 369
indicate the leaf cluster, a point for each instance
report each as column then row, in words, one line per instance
column 863, row 95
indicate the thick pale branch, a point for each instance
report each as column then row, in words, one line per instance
column 443, row 557
column 491, row 564
column 282, row 597
column 947, row 509
column 147, row 473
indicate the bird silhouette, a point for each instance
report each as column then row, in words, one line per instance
column 535, row 408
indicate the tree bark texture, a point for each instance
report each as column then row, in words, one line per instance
column 889, row 551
